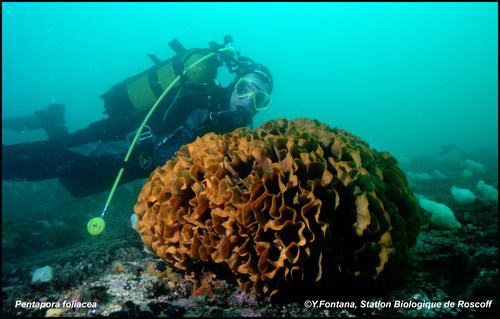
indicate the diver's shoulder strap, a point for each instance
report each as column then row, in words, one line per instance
column 178, row 66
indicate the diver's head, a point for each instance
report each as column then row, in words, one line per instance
column 252, row 89
column 258, row 70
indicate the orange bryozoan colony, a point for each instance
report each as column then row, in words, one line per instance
column 288, row 203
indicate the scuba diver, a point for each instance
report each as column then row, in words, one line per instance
column 87, row 161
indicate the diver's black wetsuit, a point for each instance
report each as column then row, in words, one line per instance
column 88, row 160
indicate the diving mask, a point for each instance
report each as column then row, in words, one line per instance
column 261, row 99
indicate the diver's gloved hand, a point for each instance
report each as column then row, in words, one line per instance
column 240, row 117
column 168, row 144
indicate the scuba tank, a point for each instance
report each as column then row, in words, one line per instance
column 142, row 90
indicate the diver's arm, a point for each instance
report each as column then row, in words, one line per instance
column 190, row 98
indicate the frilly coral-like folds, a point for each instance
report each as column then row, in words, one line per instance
column 289, row 202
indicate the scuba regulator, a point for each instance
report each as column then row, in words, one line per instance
column 234, row 62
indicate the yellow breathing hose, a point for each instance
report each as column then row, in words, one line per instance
column 96, row 225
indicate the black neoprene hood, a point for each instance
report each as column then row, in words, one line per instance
column 258, row 68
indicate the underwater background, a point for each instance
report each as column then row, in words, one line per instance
column 406, row 77
column 419, row 80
